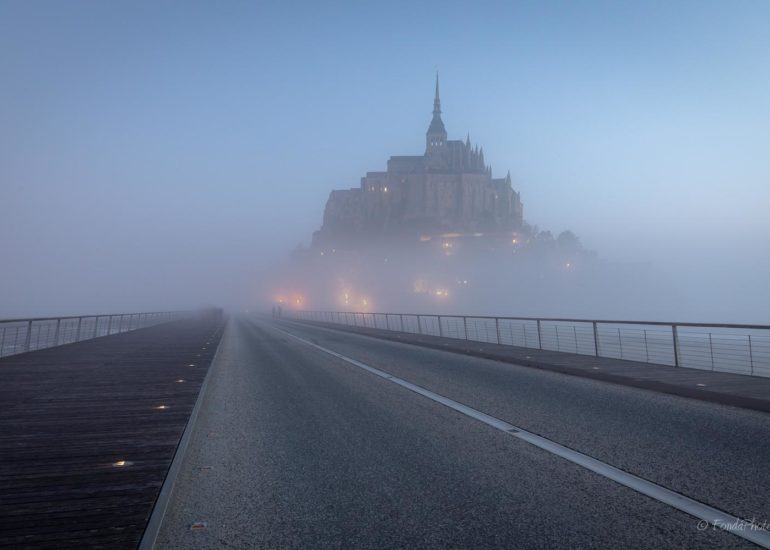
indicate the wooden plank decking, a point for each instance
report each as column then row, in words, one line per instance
column 69, row 414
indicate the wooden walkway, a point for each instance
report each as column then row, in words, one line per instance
column 88, row 432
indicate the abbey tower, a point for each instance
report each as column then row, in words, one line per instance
column 448, row 189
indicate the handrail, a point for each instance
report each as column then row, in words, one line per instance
column 558, row 319
column 35, row 333
column 25, row 319
column 736, row 348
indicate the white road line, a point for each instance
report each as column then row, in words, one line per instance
column 716, row 518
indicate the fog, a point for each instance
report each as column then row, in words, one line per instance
column 157, row 157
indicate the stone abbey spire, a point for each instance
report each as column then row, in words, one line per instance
column 436, row 136
column 437, row 102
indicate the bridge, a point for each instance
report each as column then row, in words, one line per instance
column 335, row 429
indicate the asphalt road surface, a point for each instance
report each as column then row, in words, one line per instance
column 297, row 448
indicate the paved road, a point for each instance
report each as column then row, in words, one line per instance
column 298, row 449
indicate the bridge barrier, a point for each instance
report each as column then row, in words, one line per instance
column 23, row 335
column 739, row 349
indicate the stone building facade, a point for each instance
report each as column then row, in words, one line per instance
column 448, row 189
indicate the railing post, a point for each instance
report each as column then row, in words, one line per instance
column 56, row 333
column 646, row 347
column 28, row 339
column 596, row 338
column 109, row 326
column 465, row 326
column 401, row 317
column 419, row 325
column 2, row 342
column 96, row 326
column 497, row 329
column 80, row 323
column 711, row 350
column 539, row 336
column 675, row 334
column 751, row 356
column 120, row 323
column 440, row 331
column 574, row 335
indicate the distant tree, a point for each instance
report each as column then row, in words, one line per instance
column 569, row 242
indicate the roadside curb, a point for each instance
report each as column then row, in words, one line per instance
column 698, row 393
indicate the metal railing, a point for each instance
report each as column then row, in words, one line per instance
column 739, row 349
column 23, row 335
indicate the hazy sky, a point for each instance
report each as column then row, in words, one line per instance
column 157, row 154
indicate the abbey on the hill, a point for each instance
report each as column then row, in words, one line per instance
column 449, row 189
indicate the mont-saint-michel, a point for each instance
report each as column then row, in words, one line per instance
column 435, row 230
column 449, row 189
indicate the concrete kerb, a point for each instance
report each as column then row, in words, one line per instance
column 701, row 394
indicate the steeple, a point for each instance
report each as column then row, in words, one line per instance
column 435, row 137
column 437, row 101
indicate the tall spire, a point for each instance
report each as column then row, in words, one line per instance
column 436, row 135
column 436, row 100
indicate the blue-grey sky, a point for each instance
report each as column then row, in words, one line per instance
column 155, row 154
